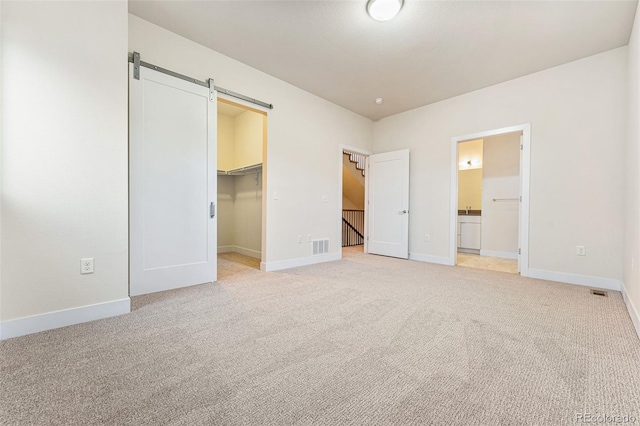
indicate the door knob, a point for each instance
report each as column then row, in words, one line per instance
column 403, row 212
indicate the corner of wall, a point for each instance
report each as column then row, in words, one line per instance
column 631, row 259
column 1, row 168
column 633, row 311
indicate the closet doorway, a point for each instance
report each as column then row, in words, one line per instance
column 242, row 134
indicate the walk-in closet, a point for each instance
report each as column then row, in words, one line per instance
column 241, row 143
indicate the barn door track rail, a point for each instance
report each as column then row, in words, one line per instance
column 137, row 63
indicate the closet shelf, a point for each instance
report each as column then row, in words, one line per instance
column 241, row 170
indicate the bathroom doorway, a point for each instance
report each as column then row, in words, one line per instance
column 490, row 184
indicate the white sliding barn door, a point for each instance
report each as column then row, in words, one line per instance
column 172, row 183
column 389, row 204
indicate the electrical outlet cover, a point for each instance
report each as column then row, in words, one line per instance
column 86, row 265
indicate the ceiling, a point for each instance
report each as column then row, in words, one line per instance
column 432, row 50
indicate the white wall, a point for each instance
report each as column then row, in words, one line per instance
column 577, row 112
column 248, row 214
column 1, row 197
column 500, row 179
column 64, row 156
column 226, row 142
column 304, row 135
column 225, row 211
column 470, row 189
column 240, row 140
column 239, row 209
column 632, row 194
column 352, row 185
column 347, row 204
column 249, row 138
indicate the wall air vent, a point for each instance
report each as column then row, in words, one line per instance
column 320, row 247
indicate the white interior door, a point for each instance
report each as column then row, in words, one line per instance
column 172, row 183
column 389, row 204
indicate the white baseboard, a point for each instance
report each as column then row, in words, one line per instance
column 469, row 251
column 500, row 254
column 236, row 249
column 633, row 312
column 585, row 280
column 49, row 321
column 247, row 252
column 302, row 261
column 430, row 259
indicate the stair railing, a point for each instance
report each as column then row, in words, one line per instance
column 358, row 159
column 352, row 228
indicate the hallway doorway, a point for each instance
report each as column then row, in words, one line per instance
column 353, row 198
column 353, row 179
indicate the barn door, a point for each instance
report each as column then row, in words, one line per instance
column 172, row 183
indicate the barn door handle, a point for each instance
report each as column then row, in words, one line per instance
column 212, row 210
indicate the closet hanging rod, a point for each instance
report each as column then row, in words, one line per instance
column 134, row 58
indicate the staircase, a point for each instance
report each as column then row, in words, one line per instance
column 359, row 160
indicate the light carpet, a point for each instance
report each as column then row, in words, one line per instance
column 367, row 340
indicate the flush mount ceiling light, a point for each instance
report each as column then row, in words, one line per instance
column 379, row 101
column 383, row 10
